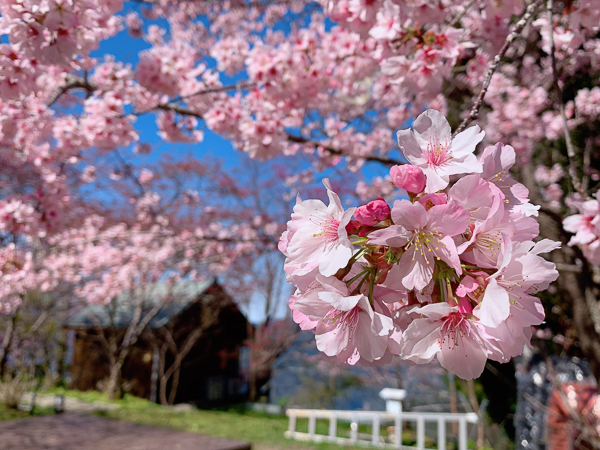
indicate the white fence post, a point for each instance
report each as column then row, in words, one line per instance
column 292, row 424
column 398, row 431
column 312, row 425
column 375, row 431
column 354, row 429
column 462, row 433
column 376, row 419
column 333, row 427
column 441, row 439
column 420, row 433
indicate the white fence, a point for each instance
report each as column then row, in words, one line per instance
column 376, row 419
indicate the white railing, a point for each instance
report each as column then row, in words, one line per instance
column 376, row 419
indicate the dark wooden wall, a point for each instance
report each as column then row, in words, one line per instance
column 212, row 363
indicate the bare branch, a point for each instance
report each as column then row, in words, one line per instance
column 72, row 83
column 562, row 267
column 335, row 151
column 572, row 170
column 216, row 90
column 514, row 32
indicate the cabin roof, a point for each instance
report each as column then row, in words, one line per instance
column 176, row 299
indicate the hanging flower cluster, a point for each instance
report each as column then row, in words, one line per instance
column 448, row 272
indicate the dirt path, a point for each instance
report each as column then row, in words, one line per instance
column 81, row 432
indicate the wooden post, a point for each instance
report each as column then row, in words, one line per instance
column 375, row 431
column 333, row 428
column 420, row 433
column 441, row 439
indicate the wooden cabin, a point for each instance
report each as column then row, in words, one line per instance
column 210, row 373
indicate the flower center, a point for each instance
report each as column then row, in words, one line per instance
column 345, row 319
column 490, row 243
column 455, row 326
column 425, row 240
column 329, row 229
column 438, row 152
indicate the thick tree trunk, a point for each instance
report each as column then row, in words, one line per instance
column 475, row 405
column 576, row 288
column 252, row 389
column 6, row 343
column 113, row 387
column 162, row 390
column 61, row 356
column 174, row 384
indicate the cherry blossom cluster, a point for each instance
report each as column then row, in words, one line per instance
column 58, row 31
column 447, row 272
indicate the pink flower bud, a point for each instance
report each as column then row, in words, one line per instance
column 408, row 177
column 373, row 212
column 353, row 227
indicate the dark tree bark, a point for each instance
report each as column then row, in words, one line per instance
column 577, row 287
column 7, row 342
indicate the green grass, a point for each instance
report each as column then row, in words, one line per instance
column 246, row 425
column 10, row 413
column 86, row 396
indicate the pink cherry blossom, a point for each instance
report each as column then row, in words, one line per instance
column 450, row 333
column 317, row 235
column 427, row 236
column 431, row 147
column 348, row 327
column 586, row 227
column 520, row 273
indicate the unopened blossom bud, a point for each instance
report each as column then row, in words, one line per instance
column 353, row 227
column 373, row 212
column 408, row 177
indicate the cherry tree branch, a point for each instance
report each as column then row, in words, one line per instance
column 514, row 33
column 216, row 90
column 572, row 170
column 335, row 151
column 249, row 4
column 460, row 15
column 72, row 83
column 292, row 138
